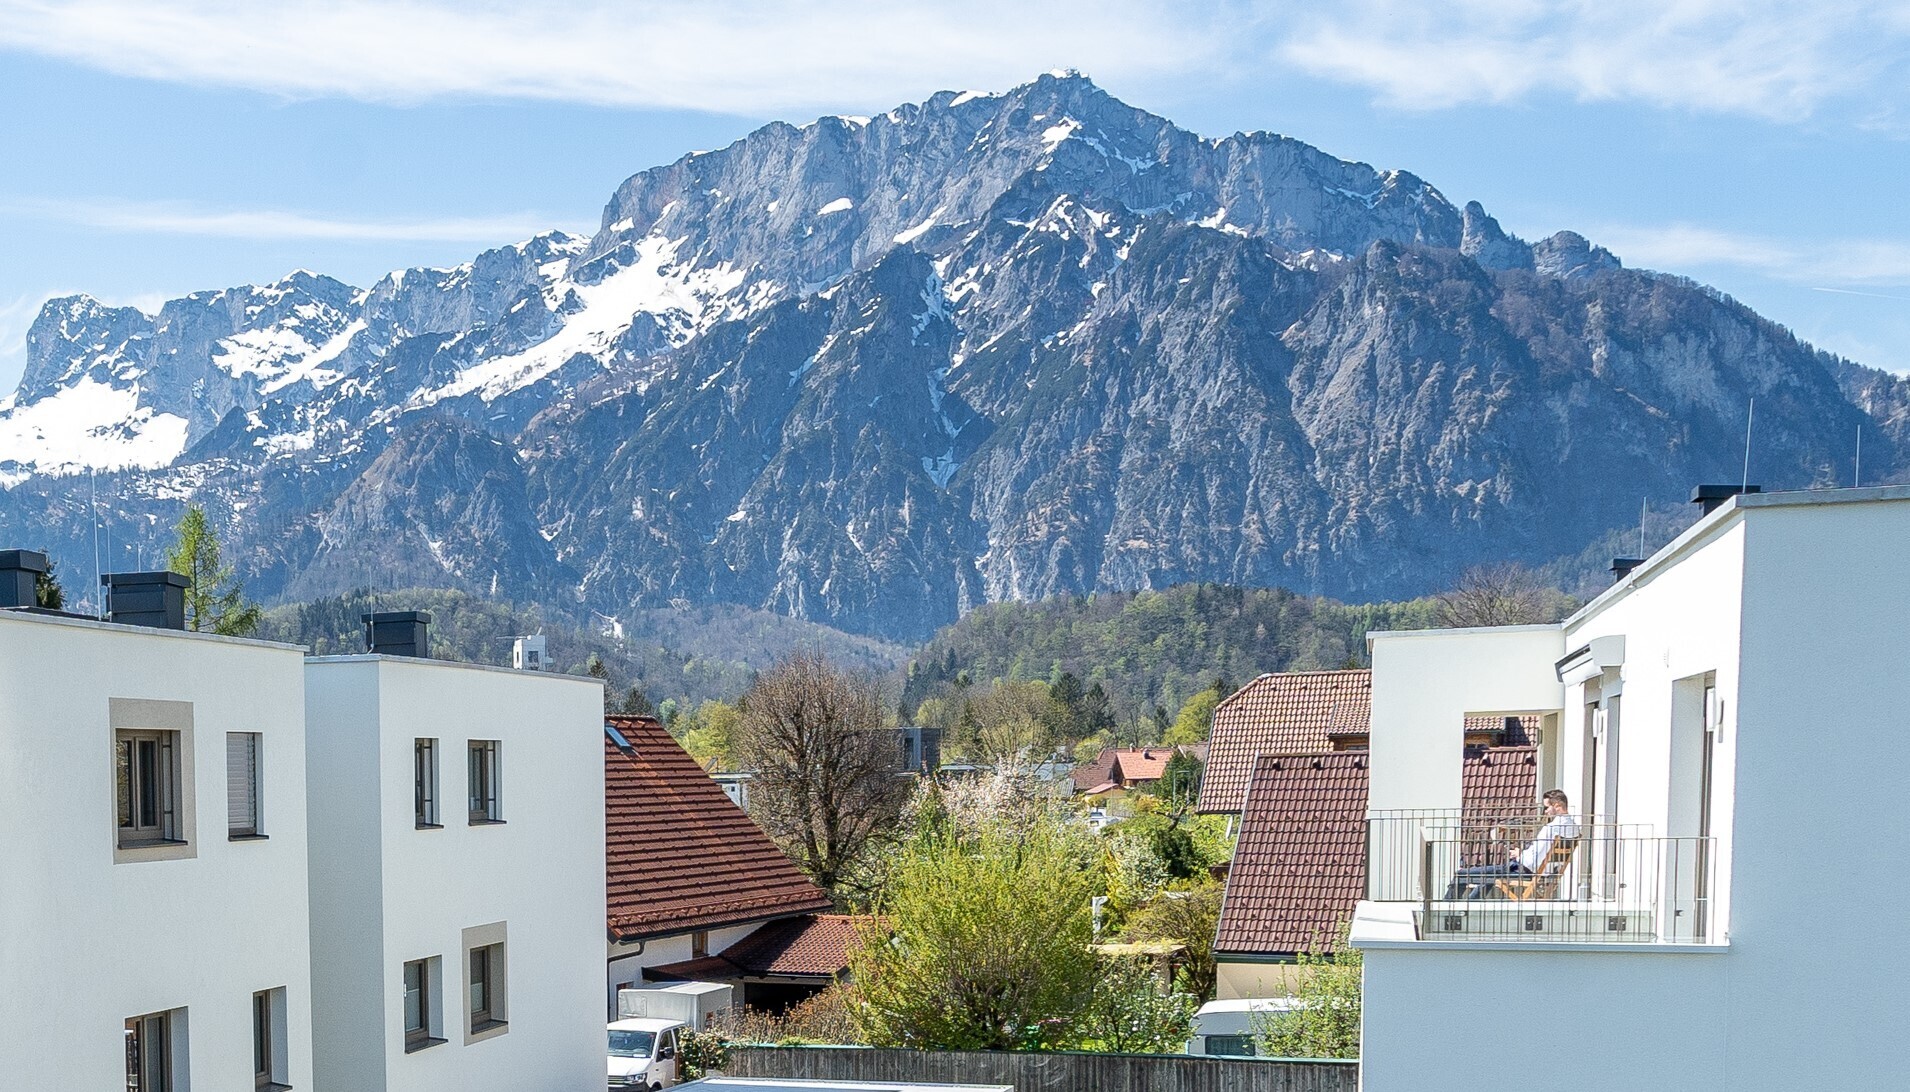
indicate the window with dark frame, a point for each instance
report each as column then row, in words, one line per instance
column 146, row 776
column 425, row 782
column 486, row 1004
column 418, row 1005
column 485, row 781
column 242, row 784
column 149, row 1053
column 262, row 1039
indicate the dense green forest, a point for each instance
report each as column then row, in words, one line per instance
column 1153, row 649
column 684, row 657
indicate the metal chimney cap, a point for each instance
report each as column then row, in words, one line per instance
column 32, row 561
column 398, row 616
column 115, row 580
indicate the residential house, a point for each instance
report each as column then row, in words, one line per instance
column 1721, row 921
column 453, row 947
column 1115, row 771
column 779, row 963
column 689, row 874
column 1290, row 713
column 153, row 924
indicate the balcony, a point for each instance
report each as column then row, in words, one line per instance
column 1612, row 884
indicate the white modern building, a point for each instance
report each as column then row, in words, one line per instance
column 457, row 876
column 1732, row 723
column 153, row 928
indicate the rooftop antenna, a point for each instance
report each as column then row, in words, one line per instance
column 92, row 477
column 1643, row 505
column 1750, row 417
column 1857, row 472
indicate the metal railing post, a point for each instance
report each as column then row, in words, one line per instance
column 1425, row 884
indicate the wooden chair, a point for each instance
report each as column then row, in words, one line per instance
column 1544, row 883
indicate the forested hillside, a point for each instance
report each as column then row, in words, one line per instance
column 1152, row 649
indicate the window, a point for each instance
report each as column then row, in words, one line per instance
column 242, row 785
column 268, row 1039
column 487, row 987
column 425, row 782
column 422, row 1023
column 149, row 1052
column 486, row 804
column 148, row 786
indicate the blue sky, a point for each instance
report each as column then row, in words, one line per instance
column 149, row 150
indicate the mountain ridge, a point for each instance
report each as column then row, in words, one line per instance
column 874, row 372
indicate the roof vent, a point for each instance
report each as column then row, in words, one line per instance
column 1714, row 496
column 156, row 599
column 398, row 633
column 1622, row 567
column 20, row 572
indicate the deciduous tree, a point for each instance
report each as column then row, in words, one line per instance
column 826, row 781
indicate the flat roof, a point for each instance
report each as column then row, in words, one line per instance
column 38, row 618
column 777, row 1084
column 460, row 665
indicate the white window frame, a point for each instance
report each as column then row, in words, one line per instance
column 243, row 799
column 146, row 780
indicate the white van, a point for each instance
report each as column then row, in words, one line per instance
column 643, row 1052
column 1227, row 1027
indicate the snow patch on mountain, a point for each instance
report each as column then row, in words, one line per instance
column 86, row 424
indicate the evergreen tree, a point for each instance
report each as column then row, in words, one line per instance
column 47, row 593
column 215, row 600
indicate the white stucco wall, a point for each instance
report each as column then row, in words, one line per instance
column 540, row 872
column 1424, row 684
column 1793, row 604
column 86, row 943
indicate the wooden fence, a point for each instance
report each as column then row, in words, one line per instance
column 1060, row 1072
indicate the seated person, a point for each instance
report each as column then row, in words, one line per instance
column 1475, row 882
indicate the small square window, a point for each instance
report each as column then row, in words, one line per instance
column 242, row 785
column 146, row 772
column 425, row 782
column 486, row 782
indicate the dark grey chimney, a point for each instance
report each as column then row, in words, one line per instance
column 146, row 599
column 20, row 571
column 1622, row 567
column 398, row 633
column 1712, row 496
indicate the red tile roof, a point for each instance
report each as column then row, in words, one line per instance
column 1290, row 713
column 1501, row 779
column 810, row 946
column 679, row 854
column 1127, row 766
column 1300, row 865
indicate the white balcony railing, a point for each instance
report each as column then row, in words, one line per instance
column 1612, row 883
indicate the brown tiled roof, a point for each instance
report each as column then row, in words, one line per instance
column 679, row 854
column 1501, row 779
column 1300, row 865
column 1143, row 763
column 1089, row 774
column 810, row 946
column 1279, row 714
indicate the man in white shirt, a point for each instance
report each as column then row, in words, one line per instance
column 1476, row 882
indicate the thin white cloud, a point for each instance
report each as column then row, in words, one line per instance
column 173, row 218
column 1768, row 58
column 741, row 56
column 1683, row 247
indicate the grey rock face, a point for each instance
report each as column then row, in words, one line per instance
column 873, row 372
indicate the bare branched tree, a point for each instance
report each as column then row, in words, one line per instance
column 827, row 780
column 1505, row 594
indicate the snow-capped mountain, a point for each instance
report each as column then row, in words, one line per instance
column 872, row 371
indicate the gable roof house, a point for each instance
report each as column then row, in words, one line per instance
column 1125, row 769
column 690, row 876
